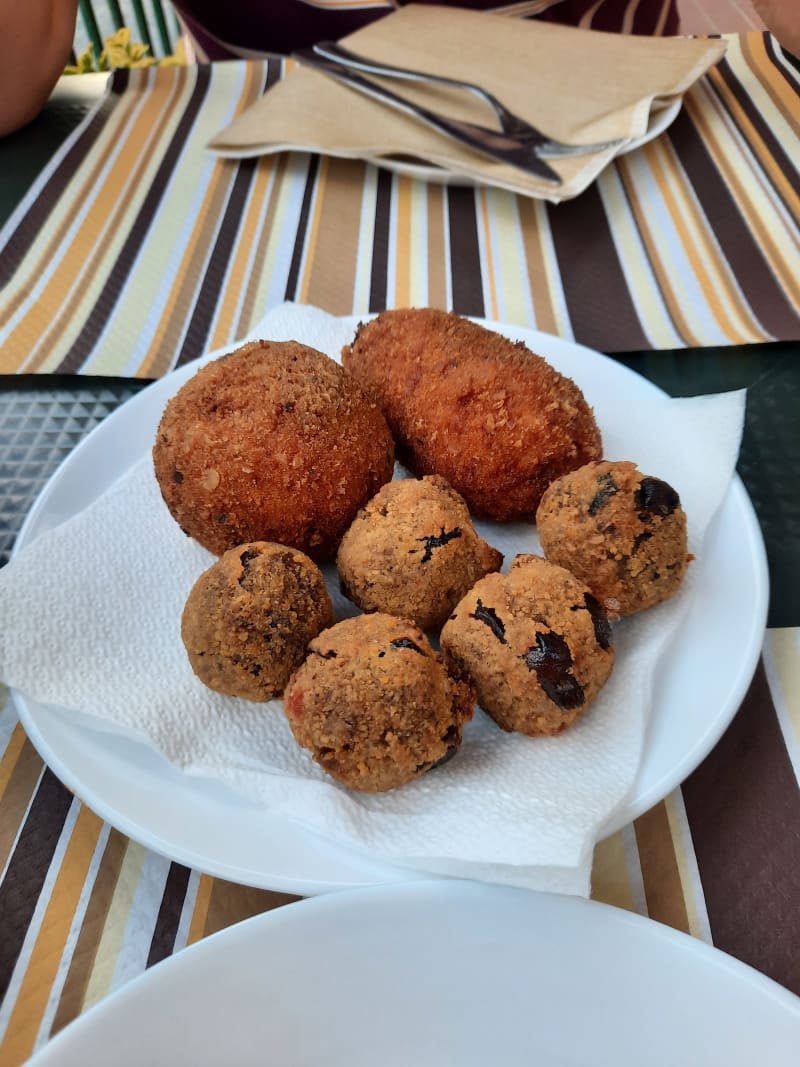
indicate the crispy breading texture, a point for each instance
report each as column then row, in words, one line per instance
column 496, row 420
column 274, row 442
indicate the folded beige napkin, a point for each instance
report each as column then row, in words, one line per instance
column 576, row 85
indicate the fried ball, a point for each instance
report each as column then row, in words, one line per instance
column 412, row 551
column 498, row 422
column 374, row 704
column 274, row 442
column 620, row 531
column 248, row 619
column 535, row 642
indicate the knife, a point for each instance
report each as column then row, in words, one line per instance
column 482, row 139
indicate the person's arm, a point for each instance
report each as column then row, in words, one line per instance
column 38, row 37
column 782, row 19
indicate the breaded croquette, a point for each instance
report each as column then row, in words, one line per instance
column 494, row 419
column 274, row 442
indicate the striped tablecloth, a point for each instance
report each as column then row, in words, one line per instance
column 139, row 249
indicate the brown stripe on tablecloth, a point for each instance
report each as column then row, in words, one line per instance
column 162, row 943
column 660, row 875
column 465, row 252
column 231, row 903
column 743, row 253
column 194, row 340
column 743, row 808
column 380, row 242
column 437, row 276
column 70, row 1002
column 97, row 319
column 722, row 74
column 781, row 85
column 27, row 869
column 531, row 213
column 330, row 266
column 600, row 308
column 17, row 796
column 293, row 276
column 37, row 214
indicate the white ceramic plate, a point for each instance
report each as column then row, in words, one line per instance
column 445, row 974
column 659, row 121
column 204, row 825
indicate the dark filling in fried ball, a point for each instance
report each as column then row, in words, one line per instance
column 274, row 442
column 374, row 704
column 412, row 551
column 536, row 643
column 621, row 532
column 248, row 619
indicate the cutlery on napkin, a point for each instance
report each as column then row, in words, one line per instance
column 574, row 84
column 103, row 595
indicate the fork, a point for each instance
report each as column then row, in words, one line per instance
column 511, row 125
column 492, row 143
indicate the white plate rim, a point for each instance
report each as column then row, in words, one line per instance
column 481, row 916
column 35, row 718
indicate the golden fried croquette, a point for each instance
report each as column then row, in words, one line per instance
column 498, row 422
column 274, row 442
column 412, row 551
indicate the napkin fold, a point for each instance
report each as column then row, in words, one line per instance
column 90, row 624
column 575, row 85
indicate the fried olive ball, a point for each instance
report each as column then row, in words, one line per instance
column 374, row 704
column 274, row 442
column 248, row 619
column 535, row 642
column 496, row 420
column 412, row 551
column 621, row 532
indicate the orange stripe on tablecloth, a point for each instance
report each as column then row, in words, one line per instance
column 437, row 274
column 26, row 1017
column 661, row 161
column 247, row 260
column 329, row 270
column 72, row 996
column 230, row 903
column 180, row 302
column 662, row 881
column 202, row 899
column 22, row 768
column 790, row 195
column 87, row 250
column 268, row 167
column 783, row 271
column 650, row 242
column 535, row 258
column 118, row 121
column 493, row 311
column 783, row 96
column 402, row 243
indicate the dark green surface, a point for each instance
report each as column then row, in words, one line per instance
column 770, row 456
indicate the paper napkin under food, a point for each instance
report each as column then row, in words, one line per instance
column 576, row 85
column 90, row 622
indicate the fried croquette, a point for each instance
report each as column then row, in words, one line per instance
column 412, row 551
column 374, row 704
column 274, row 442
column 621, row 532
column 535, row 642
column 496, row 420
column 249, row 617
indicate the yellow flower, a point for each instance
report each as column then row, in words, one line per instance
column 120, row 51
